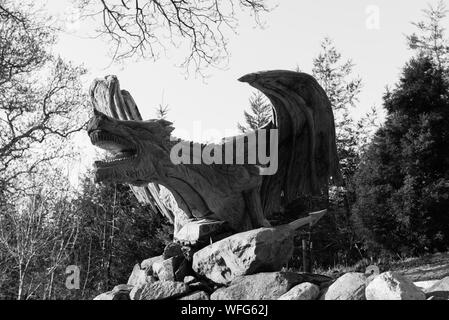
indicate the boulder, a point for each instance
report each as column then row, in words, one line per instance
column 123, row 288
column 350, row 286
column 113, row 295
column 199, row 231
column 261, row 286
column 120, row 292
column 136, row 292
column 438, row 297
column 303, row 291
column 392, row 286
column 105, row 296
column 201, row 286
column 439, row 290
column 425, row 285
column 188, row 252
column 137, row 276
column 182, row 271
column 198, row 295
column 172, row 250
column 165, row 270
column 147, row 264
column 163, row 290
column 189, row 279
column 246, row 253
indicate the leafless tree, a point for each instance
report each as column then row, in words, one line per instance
column 144, row 28
column 41, row 96
column 38, row 234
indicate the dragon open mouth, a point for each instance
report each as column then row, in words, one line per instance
column 121, row 149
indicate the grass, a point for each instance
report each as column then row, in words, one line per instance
column 426, row 267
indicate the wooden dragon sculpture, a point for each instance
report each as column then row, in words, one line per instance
column 235, row 193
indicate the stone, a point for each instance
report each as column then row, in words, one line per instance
column 371, row 272
column 163, row 290
column 440, row 296
column 105, row 296
column 113, row 295
column 198, row 295
column 121, row 295
column 120, row 292
column 392, row 286
column 323, row 293
column 123, row 288
column 189, row 279
column 136, row 291
column 137, row 277
column 303, row 291
column 172, row 250
column 182, row 271
column 201, row 286
column 165, row 270
column 147, row 264
column 201, row 230
column 250, row 252
column 350, row 286
column 425, row 285
column 188, row 252
column 261, row 286
column 439, row 290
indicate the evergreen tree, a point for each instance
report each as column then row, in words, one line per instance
column 402, row 184
column 260, row 113
column 366, row 128
column 334, row 238
column 430, row 39
column 336, row 77
column 162, row 111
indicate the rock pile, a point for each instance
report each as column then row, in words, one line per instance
column 243, row 266
column 248, row 266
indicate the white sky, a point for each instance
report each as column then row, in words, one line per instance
column 291, row 38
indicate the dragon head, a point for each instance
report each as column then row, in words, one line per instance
column 138, row 149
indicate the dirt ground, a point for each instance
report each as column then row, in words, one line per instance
column 429, row 267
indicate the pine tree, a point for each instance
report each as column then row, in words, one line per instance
column 334, row 238
column 162, row 111
column 403, row 181
column 366, row 128
column 430, row 39
column 336, row 78
column 260, row 113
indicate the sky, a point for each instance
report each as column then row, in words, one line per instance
column 371, row 33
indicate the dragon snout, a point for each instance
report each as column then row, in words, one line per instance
column 96, row 121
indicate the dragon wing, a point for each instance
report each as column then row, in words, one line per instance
column 307, row 152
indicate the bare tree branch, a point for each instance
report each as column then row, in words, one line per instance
column 41, row 97
column 142, row 28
